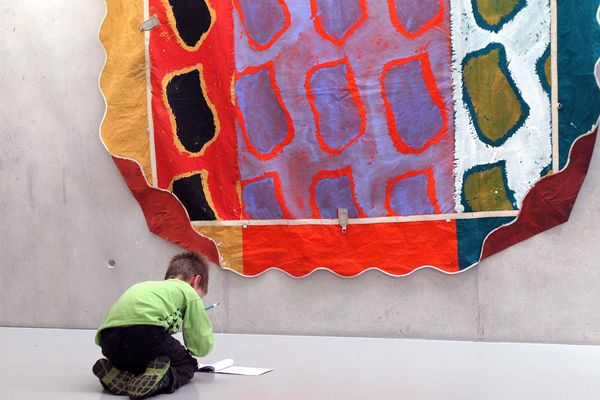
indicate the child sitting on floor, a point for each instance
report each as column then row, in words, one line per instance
column 142, row 358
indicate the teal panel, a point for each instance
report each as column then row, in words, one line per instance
column 578, row 51
column 471, row 234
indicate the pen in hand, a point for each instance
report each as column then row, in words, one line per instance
column 211, row 306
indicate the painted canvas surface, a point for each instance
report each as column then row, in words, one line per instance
column 446, row 130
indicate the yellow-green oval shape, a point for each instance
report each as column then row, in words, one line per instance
column 494, row 13
column 496, row 106
column 485, row 189
column 548, row 71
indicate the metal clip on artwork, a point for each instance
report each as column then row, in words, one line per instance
column 149, row 24
column 343, row 218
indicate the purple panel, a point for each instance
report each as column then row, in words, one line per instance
column 260, row 201
column 339, row 119
column 374, row 160
column 263, row 19
column 265, row 121
column 334, row 193
column 338, row 17
column 417, row 118
column 410, row 197
column 412, row 14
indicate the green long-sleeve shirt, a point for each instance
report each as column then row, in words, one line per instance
column 172, row 304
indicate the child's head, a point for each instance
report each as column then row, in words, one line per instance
column 191, row 268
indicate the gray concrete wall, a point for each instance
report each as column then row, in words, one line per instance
column 65, row 211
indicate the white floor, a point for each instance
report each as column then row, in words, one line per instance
column 56, row 364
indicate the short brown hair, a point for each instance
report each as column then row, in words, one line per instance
column 186, row 265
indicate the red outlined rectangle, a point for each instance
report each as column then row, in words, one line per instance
column 167, row 55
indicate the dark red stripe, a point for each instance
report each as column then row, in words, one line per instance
column 164, row 214
column 548, row 203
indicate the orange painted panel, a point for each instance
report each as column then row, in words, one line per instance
column 396, row 248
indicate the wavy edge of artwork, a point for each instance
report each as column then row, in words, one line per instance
column 526, row 225
column 159, row 205
column 134, row 176
column 581, row 152
column 147, row 197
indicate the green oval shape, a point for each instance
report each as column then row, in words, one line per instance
column 543, row 67
column 496, row 106
column 485, row 188
column 548, row 71
column 492, row 14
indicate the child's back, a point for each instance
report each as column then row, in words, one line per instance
column 135, row 336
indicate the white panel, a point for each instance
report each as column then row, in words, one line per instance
column 525, row 39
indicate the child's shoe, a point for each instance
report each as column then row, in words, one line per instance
column 111, row 378
column 153, row 381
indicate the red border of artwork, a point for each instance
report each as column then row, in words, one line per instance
column 548, row 203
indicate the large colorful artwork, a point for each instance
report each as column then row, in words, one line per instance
column 351, row 135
